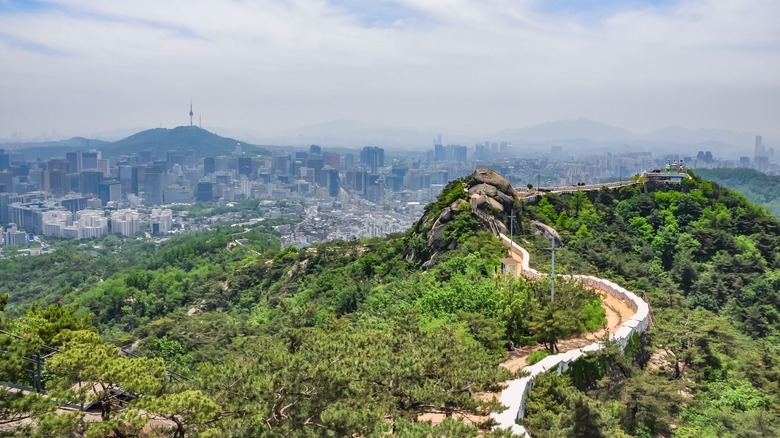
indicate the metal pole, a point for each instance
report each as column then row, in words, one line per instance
column 511, row 229
column 552, row 276
column 37, row 380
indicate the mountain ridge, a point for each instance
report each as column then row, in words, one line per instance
column 578, row 134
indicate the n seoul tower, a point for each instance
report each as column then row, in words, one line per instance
column 191, row 113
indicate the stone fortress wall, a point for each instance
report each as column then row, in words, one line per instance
column 514, row 396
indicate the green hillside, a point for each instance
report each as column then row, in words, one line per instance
column 361, row 338
column 708, row 262
column 203, row 143
column 758, row 187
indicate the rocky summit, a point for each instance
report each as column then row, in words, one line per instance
column 482, row 200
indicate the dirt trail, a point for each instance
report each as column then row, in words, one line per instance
column 616, row 312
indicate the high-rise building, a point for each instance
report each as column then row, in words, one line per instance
column 110, row 191
column 205, row 192
column 209, row 166
column 373, row 156
column 104, row 166
column 281, row 165
column 760, row 150
column 349, row 162
column 154, row 182
column 438, row 153
column 128, row 177
column 5, row 160
column 6, row 182
column 5, row 200
column 89, row 160
column 245, row 166
column 57, row 182
column 761, row 157
column 333, row 183
column 332, row 159
column 245, row 186
column 89, row 181
column 316, row 163
column 74, row 162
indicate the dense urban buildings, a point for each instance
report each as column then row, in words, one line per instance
column 336, row 194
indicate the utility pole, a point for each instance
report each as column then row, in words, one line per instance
column 511, row 229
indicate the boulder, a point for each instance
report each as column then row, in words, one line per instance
column 545, row 231
column 495, row 205
column 437, row 235
column 459, row 205
column 483, row 189
column 506, row 200
column 446, row 215
column 490, row 177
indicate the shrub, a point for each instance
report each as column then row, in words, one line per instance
column 536, row 356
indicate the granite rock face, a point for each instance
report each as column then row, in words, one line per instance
column 493, row 189
column 491, row 178
column 486, row 194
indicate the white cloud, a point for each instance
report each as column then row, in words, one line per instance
column 81, row 66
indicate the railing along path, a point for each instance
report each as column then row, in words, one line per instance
column 515, row 394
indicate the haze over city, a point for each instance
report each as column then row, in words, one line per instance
column 462, row 67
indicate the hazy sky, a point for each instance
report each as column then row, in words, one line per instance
column 455, row 66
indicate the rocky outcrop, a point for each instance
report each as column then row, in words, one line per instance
column 487, row 188
column 545, row 231
column 485, row 198
column 491, row 178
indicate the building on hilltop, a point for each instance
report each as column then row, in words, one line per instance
column 672, row 173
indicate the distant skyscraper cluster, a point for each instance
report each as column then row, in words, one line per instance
column 761, row 157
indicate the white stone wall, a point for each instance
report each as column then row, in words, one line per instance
column 515, row 394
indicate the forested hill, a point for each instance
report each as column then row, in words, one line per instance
column 202, row 142
column 338, row 339
column 364, row 338
column 708, row 261
column 758, row 187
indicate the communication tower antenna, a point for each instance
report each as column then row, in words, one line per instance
column 191, row 113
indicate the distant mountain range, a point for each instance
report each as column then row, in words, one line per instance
column 580, row 135
column 577, row 137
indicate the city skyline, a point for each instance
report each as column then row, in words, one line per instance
column 72, row 67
